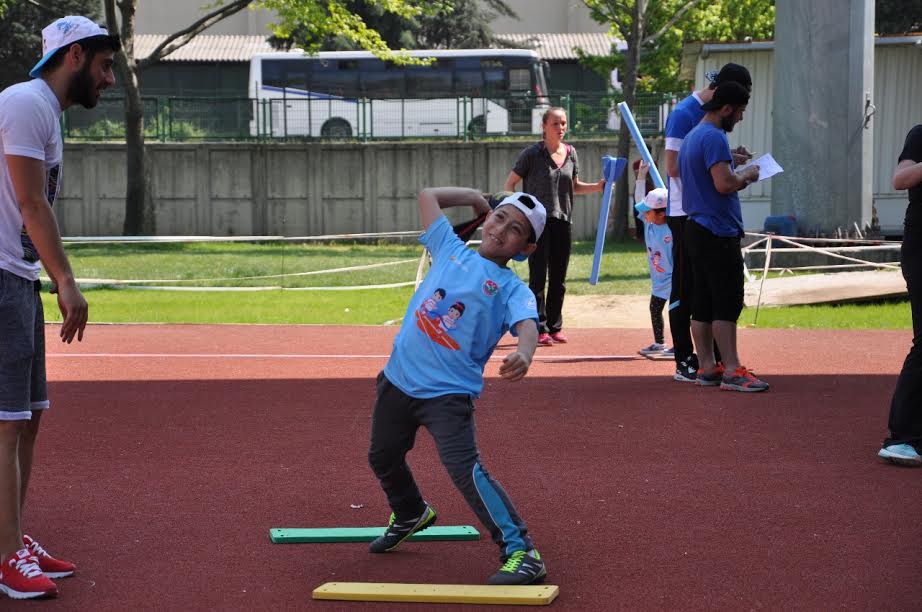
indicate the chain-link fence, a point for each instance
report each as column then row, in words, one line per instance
column 175, row 119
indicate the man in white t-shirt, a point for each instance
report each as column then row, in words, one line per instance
column 75, row 67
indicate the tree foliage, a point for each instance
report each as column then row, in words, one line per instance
column 713, row 21
column 897, row 16
column 444, row 24
column 21, row 32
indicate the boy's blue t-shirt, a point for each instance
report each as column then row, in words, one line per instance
column 455, row 319
column 720, row 213
column 682, row 120
column 658, row 239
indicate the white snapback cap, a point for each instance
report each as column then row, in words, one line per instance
column 62, row 33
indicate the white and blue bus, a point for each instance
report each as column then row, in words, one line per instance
column 347, row 94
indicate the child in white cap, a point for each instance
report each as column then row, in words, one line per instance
column 658, row 238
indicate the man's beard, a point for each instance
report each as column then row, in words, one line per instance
column 82, row 90
column 727, row 123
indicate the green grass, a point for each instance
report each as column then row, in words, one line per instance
column 367, row 307
column 871, row 315
column 623, row 271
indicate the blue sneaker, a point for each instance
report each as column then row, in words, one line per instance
column 520, row 568
column 902, row 454
column 398, row 531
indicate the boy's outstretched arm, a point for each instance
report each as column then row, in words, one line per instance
column 433, row 199
column 516, row 364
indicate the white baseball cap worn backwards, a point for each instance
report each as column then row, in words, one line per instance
column 533, row 210
column 654, row 200
column 62, row 33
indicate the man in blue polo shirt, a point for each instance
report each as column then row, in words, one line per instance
column 712, row 234
column 682, row 120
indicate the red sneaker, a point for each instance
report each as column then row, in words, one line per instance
column 51, row 567
column 559, row 337
column 545, row 340
column 22, row 578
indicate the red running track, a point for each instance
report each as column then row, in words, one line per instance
column 161, row 473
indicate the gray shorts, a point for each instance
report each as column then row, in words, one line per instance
column 23, row 387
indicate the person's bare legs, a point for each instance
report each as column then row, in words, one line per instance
column 703, row 336
column 725, row 335
column 26, row 452
column 10, row 487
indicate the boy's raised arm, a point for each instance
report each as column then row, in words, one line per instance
column 433, row 199
column 515, row 365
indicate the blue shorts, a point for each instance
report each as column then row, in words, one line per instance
column 23, row 387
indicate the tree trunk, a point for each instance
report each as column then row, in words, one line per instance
column 139, row 209
column 629, row 87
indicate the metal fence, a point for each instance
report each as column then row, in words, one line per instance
column 176, row 119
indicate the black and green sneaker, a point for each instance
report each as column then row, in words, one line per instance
column 521, row 567
column 398, row 531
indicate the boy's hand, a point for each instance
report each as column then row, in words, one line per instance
column 515, row 366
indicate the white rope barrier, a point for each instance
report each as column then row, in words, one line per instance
column 269, row 288
column 114, row 281
column 831, row 267
column 171, row 239
column 830, row 251
column 831, row 247
column 806, row 239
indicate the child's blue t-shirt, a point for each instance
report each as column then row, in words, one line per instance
column 658, row 239
column 455, row 319
column 705, row 146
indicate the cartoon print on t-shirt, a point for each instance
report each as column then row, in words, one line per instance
column 436, row 324
column 431, row 303
column 655, row 257
column 450, row 318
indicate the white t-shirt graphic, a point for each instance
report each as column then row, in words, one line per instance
column 30, row 117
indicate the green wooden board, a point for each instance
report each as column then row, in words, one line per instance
column 367, row 534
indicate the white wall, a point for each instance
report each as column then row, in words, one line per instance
column 168, row 16
column 542, row 16
column 535, row 16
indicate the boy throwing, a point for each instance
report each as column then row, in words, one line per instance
column 435, row 372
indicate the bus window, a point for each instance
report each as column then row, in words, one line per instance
column 381, row 80
column 494, row 82
column 520, row 80
column 469, row 83
column 273, row 72
column 433, row 81
column 338, row 78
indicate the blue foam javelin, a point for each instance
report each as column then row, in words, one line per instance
column 641, row 145
column 612, row 167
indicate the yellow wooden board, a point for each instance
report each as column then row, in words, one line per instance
column 527, row 595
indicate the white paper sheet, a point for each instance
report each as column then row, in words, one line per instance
column 768, row 167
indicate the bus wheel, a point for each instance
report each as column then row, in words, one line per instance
column 336, row 128
column 477, row 127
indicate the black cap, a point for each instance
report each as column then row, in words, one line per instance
column 731, row 93
column 731, row 72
